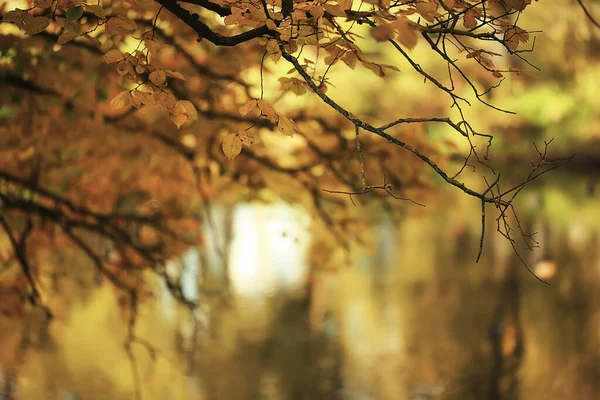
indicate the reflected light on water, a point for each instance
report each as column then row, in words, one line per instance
column 269, row 250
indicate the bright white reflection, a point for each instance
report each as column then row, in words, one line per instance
column 269, row 247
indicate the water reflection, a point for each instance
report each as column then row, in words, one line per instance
column 415, row 318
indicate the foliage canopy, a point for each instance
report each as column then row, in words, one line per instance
column 124, row 119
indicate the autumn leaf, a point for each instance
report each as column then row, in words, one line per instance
column 382, row 32
column 232, row 145
column 427, row 10
column 469, row 20
column 286, row 126
column 35, row 25
column 42, row 3
column 334, row 10
column 183, row 112
column 113, row 56
column 246, row 138
column 268, row 110
column 514, row 36
column 316, row 11
column 121, row 100
column 66, row 36
column 158, row 77
column 97, row 10
column 246, row 108
column 407, row 34
column 74, row 13
column 120, row 25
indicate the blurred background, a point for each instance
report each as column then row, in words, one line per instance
column 407, row 314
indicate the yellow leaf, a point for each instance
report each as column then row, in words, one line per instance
column 286, row 126
column 120, row 25
column 271, row 24
column 232, row 146
column 113, row 56
column 246, row 138
column 158, row 77
column 121, row 100
column 249, row 106
column 268, row 110
column 183, row 112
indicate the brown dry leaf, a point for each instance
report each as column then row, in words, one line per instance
column 66, row 36
column 35, row 25
column 183, row 111
column 377, row 69
column 121, row 100
column 158, row 77
column 334, row 10
column 514, row 36
column 96, row 9
column 427, row 10
column 113, row 56
column 286, row 126
column 407, row 34
column 246, row 108
column 518, row 5
column 232, row 145
column 383, row 32
column 345, row 4
column 317, row 11
column 42, row 3
column 246, row 138
column 268, row 111
column 120, row 25
column 469, row 20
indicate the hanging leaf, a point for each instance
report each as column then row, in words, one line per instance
column 469, row 20
column 249, row 106
column 232, row 146
column 183, row 112
column 113, row 56
column 268, row 110
column 407, row 34
column 286, row 126
column 121, row 100
column 74, row 13
column 66, row 36
column 246, row 138
column 35, row 25
column 120, row 25
column 42, row 3
column 158, row 77
column 97, row 10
